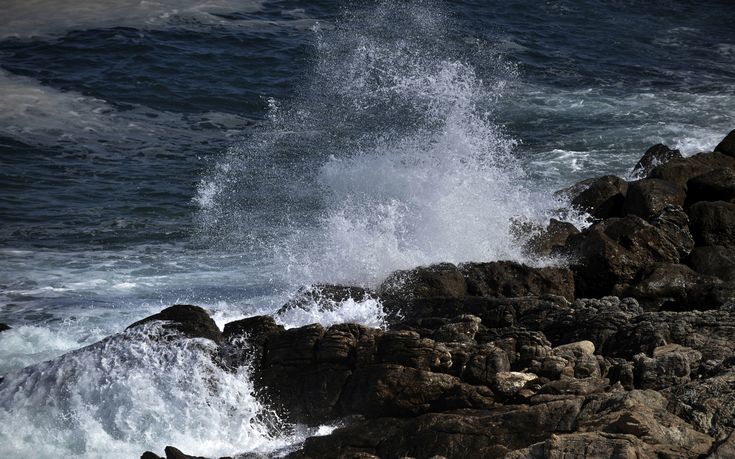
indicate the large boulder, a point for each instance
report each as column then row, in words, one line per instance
column 716, row 185
column 647, row 198
column 601, row 197
column 609, row 255
column 191, row 321
column 727, row 146
column 653, row 157
column 508, row 279
column 550, row 240
column 713, row 223
column 713, row 260
column 681, row 170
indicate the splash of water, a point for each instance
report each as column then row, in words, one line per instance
column 388, row 158
column 141, row 389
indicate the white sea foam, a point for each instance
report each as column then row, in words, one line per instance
column 134, row 391
column 40, row 115
column 27, row 18
column 434, row 179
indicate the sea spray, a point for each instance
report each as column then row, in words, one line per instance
column 141, row 389
column 388, row 157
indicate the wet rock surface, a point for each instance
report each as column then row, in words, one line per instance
column 626, row 353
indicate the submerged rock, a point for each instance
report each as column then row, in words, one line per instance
column 4, row 327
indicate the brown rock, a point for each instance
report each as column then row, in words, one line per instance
column 510, row 279
column 714, row 260
column 550, row 240
column 609, row 255
column 601, row 197
column 716, row 185
column 647, row 198
column 681, row 170
column 713, row 223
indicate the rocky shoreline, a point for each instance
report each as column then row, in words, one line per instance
column 625, row 352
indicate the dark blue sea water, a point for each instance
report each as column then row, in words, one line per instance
column 230, row 152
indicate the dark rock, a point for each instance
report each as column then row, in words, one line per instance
column 596, row 320
column 681, row 170
column 716, row 185
column 409, row 349
column 550, row 240
column 325, row 297
column 510, row 279
column 727, row 146
column 394, row 390
column 441, row 280
column 150, row 455
column 673, row 285
column 484, row 365
column 713, row 223
column 461, row 329
column 653, row 157
column 295, row 346
column 4, row 327
column 647, row 198
column 173, row 453
column 609, row 255
column 256, row 331
column 715, row 260
column 712, row 333
column 670, row 365
column 674, row 223
column 484, row 433
column 192, row 321
column 708, row 404
column 601, row 197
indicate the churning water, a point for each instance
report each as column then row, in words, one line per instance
column 227, row 153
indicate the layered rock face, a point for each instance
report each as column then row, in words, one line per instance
column 628, row 352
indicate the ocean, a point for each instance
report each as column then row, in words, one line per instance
column 228, row 153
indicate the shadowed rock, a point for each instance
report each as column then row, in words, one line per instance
column 713, row 223
column 601, row 197
column 727, row 146
column 681, row 170
column 648, row 197
column 716, row 185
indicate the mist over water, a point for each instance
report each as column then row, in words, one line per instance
column 392, row 146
